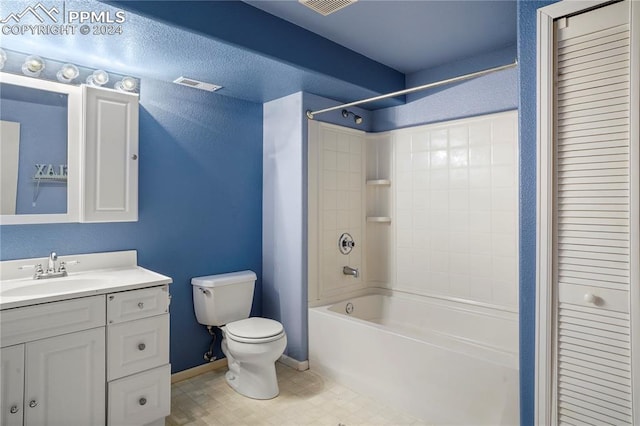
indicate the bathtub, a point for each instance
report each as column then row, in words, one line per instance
column 443, row 361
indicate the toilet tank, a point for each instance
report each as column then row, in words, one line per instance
column 223, row 298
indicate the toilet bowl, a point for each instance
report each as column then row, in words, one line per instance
column 252, row 346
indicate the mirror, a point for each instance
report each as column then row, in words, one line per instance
column 40, row 125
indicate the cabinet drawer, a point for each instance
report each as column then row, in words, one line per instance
column 605, row 298
column 35, row 322
column 141, row 398
column 137, row 304
column 137, row 345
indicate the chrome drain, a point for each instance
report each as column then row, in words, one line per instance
column 349, row 308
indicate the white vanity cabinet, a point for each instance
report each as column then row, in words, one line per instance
column 51, row 363
column 12, row 388
column 110, row 158
column 92, row 360
column 138, row 370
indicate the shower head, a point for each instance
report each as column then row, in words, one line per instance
column 356, row 118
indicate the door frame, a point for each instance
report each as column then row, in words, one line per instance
column 545, row 301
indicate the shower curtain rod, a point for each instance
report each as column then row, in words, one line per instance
column 311, row 114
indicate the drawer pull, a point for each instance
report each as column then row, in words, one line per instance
column 142, row 346
column 142, row 401
column 590, row 298
column 33, row 403
column 140, row 305
column 14, row 409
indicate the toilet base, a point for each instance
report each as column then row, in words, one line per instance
column 255, row 386
column 253, row 380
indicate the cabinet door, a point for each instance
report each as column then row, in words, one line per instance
column 11, row 385
column 65, row 380
column 110, row 186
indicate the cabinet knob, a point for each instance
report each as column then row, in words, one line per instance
column 590, row 298
column 142, row 346
column 33, row 403
column 140, row 305
column 134, row 157
column 14, row 409
column 142, row 401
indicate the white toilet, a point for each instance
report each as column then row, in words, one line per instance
column 251, row 345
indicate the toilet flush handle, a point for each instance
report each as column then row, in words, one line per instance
column 205, row 291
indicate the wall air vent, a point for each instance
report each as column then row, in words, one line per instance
column 326, row 7
column 197, row 84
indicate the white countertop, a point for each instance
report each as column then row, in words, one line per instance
column 23, row 291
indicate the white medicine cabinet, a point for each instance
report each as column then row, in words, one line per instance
column 71, row 152
column 110, row 157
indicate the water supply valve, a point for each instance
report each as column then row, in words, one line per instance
column 346, row 243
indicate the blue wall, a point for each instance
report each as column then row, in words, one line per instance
column 43, row 140
column 249, row 28
column 200, row 203
column 284, row 238
column 527, row 104
column 491, row 93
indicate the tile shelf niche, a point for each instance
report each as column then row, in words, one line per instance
column 379, row 205
column 378, row 173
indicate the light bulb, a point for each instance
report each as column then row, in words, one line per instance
column 98, row 78
column 67, row 73
column 127, row 84
column 33, row 66
column 3, row 58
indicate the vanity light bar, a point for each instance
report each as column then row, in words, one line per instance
column 68, row 73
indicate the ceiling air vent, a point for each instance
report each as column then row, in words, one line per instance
column 326, row 7
column 197, row 84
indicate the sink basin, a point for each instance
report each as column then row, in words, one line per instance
column 53, row 286
column 91, row 274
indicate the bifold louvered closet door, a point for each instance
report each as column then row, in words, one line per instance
column 592, row 211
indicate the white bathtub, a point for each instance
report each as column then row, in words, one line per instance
column 444, row 362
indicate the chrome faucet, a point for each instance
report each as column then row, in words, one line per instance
column 348, row 270
column 51, row 267
column 52, row 271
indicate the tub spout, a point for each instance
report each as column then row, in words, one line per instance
column 348, row 270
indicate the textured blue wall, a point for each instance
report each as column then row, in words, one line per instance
column 284, row 238
column 200, row 203
column 491, row 93
column 452, row 69
column 527, row 126
column 245, row 26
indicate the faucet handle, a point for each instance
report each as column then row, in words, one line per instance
column 63, row 265
column 53, row 256
column 38, row 270
column 30, row 266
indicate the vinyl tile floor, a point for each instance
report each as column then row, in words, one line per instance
column 306, row 398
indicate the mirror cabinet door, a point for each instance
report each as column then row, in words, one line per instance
column 40, row 125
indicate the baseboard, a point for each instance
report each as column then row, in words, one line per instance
column 196, row 371
column 294, row 363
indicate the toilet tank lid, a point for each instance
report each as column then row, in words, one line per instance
column 224, row 279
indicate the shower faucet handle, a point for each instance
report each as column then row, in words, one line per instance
column 346, row 243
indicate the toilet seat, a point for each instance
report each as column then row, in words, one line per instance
column 254, row 330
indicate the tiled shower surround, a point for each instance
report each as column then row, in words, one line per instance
column 455, row 210
column 433, row 209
